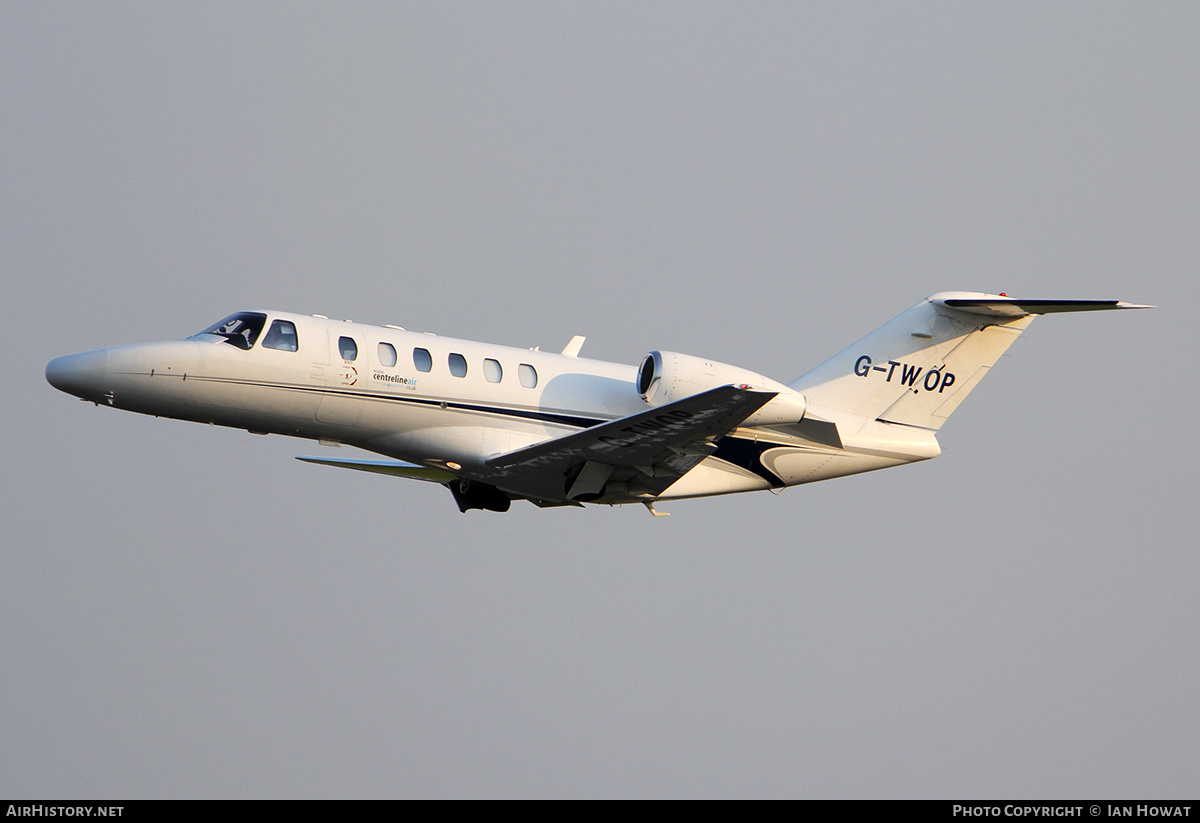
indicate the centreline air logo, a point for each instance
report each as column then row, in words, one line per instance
column 409, row 383
column 936, row 379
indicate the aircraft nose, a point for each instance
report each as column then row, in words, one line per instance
column 79, row 374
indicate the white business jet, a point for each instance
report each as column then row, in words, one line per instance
column 496, row 424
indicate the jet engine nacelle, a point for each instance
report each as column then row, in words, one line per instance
column 667, row 376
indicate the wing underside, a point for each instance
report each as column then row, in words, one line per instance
column 636, row 456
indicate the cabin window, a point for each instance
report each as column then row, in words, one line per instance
column 348, row 348
column 458, row 365
column 387, row 355
column 239, row 330
column 281, row 335
column 492, row 370
column 528, row 375
column 422, row 359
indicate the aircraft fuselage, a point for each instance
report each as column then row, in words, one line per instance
column 496, row 423
column 431, row 400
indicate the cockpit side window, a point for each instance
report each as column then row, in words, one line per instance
column 239, row 330
column 281, row 335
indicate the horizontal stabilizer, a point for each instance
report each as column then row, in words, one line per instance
column 1015, row 307
column 392, row 467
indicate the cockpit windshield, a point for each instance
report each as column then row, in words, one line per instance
column 240, row 329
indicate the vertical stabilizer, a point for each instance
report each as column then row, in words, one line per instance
column 918, row 368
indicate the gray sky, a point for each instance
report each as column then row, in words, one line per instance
column 188, row 612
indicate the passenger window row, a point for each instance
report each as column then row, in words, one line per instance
column 493, row 372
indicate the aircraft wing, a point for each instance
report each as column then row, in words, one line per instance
column 392, row 467
column 649, row 450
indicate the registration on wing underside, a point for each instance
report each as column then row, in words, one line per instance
column 664, row 442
